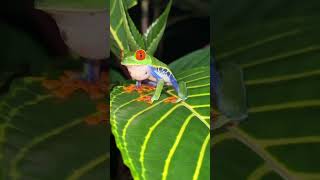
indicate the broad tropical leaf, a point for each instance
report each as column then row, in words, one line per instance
column 155, row 140
column 43, row 137
column 155, row 32
column 280, row 139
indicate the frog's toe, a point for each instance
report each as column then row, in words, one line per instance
column 154, row 98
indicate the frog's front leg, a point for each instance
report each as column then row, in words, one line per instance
column 138, row 84
column 158, row 90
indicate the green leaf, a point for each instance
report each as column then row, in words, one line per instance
column 154, row 33
column 134, row 32
column 43, row 137
column 131, row 3
column 280, row 138
column 118, row 25
column 154, row 140
column 198, row 58
column 124, row 33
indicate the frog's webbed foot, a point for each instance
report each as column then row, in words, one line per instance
column 183, row 92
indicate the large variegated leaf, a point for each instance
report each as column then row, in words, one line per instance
column 43, row 137
column 165, row 140
column 281, row 137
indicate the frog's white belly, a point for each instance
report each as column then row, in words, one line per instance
column 139, row 72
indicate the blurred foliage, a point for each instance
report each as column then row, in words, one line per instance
column 41, row 136
column 19, row 48
column 276, row 44
column 44, row 136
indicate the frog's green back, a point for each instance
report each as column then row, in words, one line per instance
column 158, row 63
column 73, row 5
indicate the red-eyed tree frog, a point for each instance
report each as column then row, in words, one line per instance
column 144, row 67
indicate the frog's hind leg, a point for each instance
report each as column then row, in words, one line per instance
column 158, row 90
column 150, row 83
column 181, row 89
column 138, row 84
column 183, row 92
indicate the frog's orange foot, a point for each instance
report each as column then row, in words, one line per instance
column 145, row 89
column 145, row 98
column 68, row 83
column 129, row 89
column 171, row 99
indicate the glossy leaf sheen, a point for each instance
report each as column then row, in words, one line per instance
column 165, row 140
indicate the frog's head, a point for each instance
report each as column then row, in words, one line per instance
column 139, row 57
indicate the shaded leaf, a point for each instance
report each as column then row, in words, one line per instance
column 279, row 140
column 43, row 137
column 117, row 25
column 134, row 32
column 19, row 49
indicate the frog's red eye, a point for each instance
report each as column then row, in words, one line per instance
column 140, row 54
